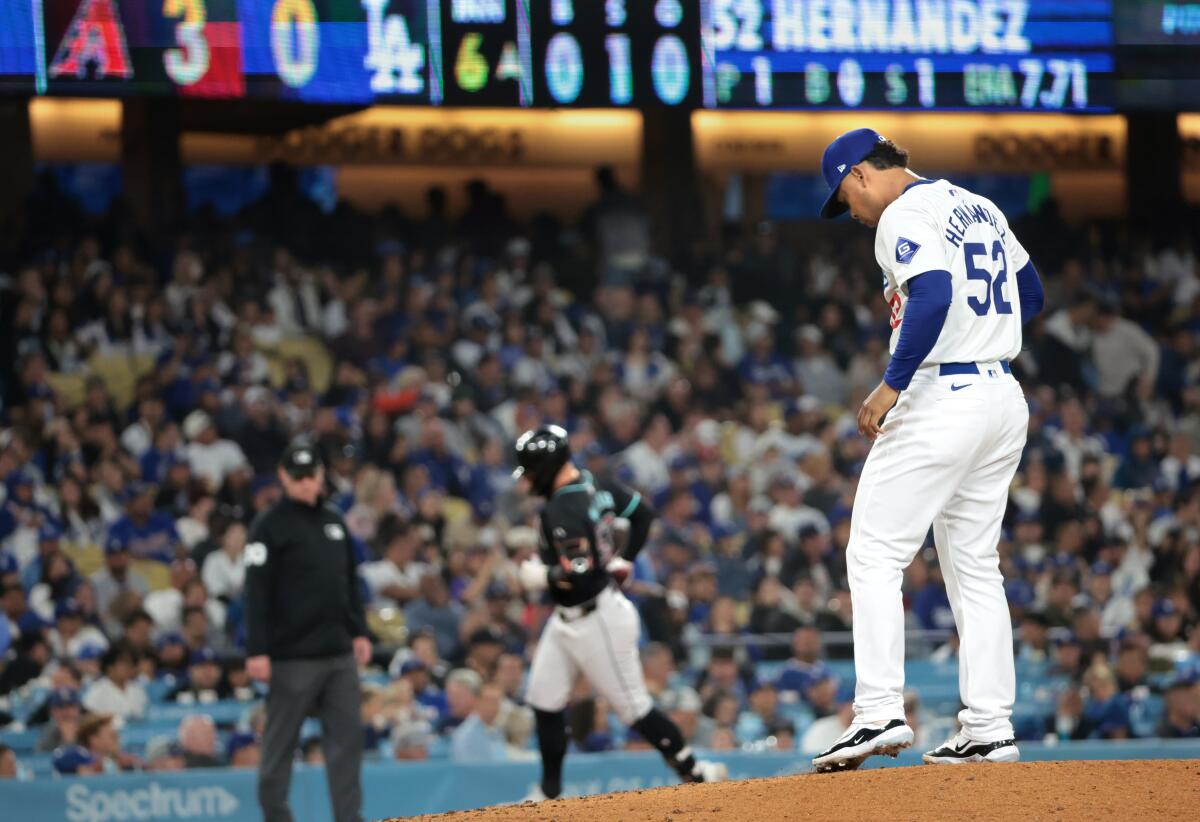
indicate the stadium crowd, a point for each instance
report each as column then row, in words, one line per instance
column 721, row 381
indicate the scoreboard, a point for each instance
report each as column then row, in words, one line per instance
column 593, row 53
column 973, row 55
column 1025, row 55
column 1158, row 54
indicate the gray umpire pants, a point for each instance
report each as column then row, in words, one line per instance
column 329, row 689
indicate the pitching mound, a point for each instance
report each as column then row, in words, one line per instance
column 1140, row 790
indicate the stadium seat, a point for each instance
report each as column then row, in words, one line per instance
column 21, row 741
column 225, row 712
column 69, row 388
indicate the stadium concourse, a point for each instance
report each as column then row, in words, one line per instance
column 147, row 396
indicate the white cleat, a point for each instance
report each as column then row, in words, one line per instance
column 536, row 794
column 960, row 749
column 864, row 740
column 706, row 771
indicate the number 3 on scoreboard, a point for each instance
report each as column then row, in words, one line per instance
column 188, row 63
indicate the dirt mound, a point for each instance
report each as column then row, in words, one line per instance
column 1141, row 790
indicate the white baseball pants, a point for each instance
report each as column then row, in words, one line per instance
column 603, row 646
column 947, row 457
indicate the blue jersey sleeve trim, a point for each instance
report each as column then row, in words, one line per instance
column 1030, row 292
column 929, row 296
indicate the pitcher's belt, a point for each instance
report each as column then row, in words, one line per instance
column 948, row 369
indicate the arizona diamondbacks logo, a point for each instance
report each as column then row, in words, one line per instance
column 905, row 250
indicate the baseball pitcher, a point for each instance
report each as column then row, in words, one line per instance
column 960, row 286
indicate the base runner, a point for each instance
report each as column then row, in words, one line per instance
column 591, row 531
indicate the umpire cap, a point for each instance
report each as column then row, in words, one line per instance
column 301, row 459
column 541, row 453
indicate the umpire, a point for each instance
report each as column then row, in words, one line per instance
column 305, row 632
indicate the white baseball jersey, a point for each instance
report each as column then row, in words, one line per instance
column 937, row 226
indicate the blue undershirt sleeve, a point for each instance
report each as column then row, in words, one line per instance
column 929, row 296
column 1029, row 292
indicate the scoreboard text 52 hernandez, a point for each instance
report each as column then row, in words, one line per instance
column 910, row 54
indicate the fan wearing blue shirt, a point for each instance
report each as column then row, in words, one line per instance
column 144, row 532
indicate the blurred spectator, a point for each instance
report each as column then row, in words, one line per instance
column 410, row 740
column 33, row 652
column 224, row 572
column 98, row 735
column 724, row 675
column 1106, row 710
column 65, row 715
column 462, row 693
column 205, row 683
column 310, row 751
column 824, row 732
column 142, row 533
column 397, row 576
column 684, row 708
column 117, row 693
column 484, row 647
column 1126, row 356
column 211, row 458
column 8, row 763
column 115, row 578
column 1181, row 710
column 198, row 741
column 435, row 610
column 166, row 604
column 243, row 750
column 70, row 633
column 589, row 727
column 804, row 668
column 479, row 738
column 164, row 754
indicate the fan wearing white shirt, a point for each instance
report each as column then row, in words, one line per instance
column 224, row 572
column 397, row 576
column 117, row 692
column 211, row 458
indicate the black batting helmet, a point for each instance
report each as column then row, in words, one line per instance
column 541, row 453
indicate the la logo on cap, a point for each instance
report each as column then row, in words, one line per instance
column 303, row 458
column 841, row 168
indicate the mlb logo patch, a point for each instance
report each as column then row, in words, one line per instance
column 335, row 531
column 906, row 250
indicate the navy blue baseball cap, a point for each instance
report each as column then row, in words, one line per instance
column 203, row 656
column 843, row 154
column 70, row 758
column 63, row 697
column 239, row 740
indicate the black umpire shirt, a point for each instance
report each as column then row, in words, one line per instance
column 302, row 595
column 579, row 537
